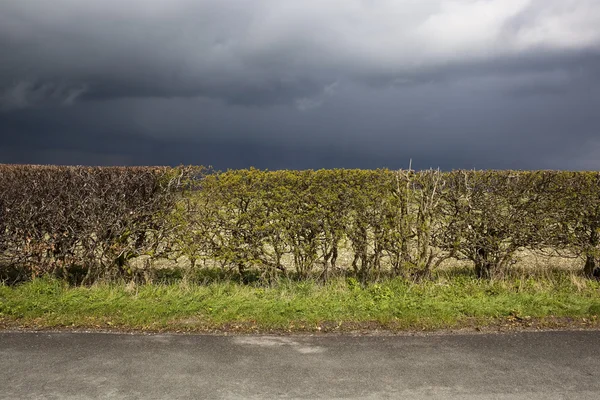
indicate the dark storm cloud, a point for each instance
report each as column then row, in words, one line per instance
column 252, row 52
column 329, row 83
column 49, row 140
column 68, row 50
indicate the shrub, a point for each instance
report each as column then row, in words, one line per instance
column 56, row 218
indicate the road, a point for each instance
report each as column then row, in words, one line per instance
column 533, row 365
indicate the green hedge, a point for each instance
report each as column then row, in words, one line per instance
column 413, row 220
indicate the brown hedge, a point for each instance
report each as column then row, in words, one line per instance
column 59, row 220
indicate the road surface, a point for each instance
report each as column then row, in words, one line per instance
column 543, row 365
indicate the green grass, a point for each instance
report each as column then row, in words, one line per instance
column 447, row 302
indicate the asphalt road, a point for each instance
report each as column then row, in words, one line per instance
column 544, row 365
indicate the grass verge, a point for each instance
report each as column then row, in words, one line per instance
column 339, row 306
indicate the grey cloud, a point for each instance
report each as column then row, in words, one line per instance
column 25, row 94
column 301, row 84
column 271, row 52
column 454, row 125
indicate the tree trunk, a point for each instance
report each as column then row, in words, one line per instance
column 483, row 267
column 334, row 257
column 590, row 266
column 590, row 269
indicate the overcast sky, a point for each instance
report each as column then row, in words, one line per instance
column 301, row 83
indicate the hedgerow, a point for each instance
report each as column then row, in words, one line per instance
column 81, row 220
column 94, row 223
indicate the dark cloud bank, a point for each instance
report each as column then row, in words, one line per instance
column 302, row 84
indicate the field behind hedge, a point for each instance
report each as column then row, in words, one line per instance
column 143, row 224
